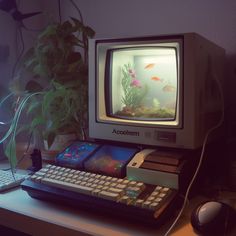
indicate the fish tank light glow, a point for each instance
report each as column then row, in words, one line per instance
column 143, row 83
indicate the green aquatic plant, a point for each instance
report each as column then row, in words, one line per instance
column 155, row 103
column 134, row 91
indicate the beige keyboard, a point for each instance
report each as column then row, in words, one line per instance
column 124, row 191
column 9, row 180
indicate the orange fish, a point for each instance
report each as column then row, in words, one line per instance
column 149, row 66
column 169, row 88
column 155, row 78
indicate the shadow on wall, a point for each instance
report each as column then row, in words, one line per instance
column 230, row 96
column 231, row 119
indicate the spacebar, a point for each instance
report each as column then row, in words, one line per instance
column 67, row 186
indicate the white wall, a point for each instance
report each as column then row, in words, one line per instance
column 7, row 40
column 10, row 38
column 214, row 19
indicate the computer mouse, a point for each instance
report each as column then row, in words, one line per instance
column 212, row 218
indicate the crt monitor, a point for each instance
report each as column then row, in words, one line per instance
column 154, row 90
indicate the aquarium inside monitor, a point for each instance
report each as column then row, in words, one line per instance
column 154, row 90
column 141, row 83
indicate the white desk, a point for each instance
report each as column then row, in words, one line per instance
column 21, row 212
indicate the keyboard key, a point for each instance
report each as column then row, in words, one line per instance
column 139, row 202
column 109, row 195
column 125, row 199
column 9, row 180
column 116, row 190
column 68, row 186
column 154, row 205
column 146, row 204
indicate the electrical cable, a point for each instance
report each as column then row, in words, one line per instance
column 12, row 139
column 220, row 122
column 78, row 10
column 22, row 50
column 5, row 98
column 10, row 130
column 1, row 103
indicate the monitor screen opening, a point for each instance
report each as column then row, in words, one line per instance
column 142, row 85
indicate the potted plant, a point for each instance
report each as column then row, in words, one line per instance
column 51, row 85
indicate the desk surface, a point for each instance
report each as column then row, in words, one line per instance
column 21, row 212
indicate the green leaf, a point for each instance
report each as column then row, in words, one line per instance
column 66, row 25
column 47, row 100
column 39, row 120
column 23, row 128
column 71, row 40
column 28, row 55
column 30, row 63
column 50, row 138
column 77, row 23
column 57, row 85
column 10, row 152
column 50, row 30
column 33, row 106
column 89, row 32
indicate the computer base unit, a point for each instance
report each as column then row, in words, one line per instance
column 170, row 168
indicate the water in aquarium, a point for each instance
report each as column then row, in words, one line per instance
column 144, row 83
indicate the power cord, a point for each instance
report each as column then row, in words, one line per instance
column 78, row 10
column 19, row 30
column 201, row 157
